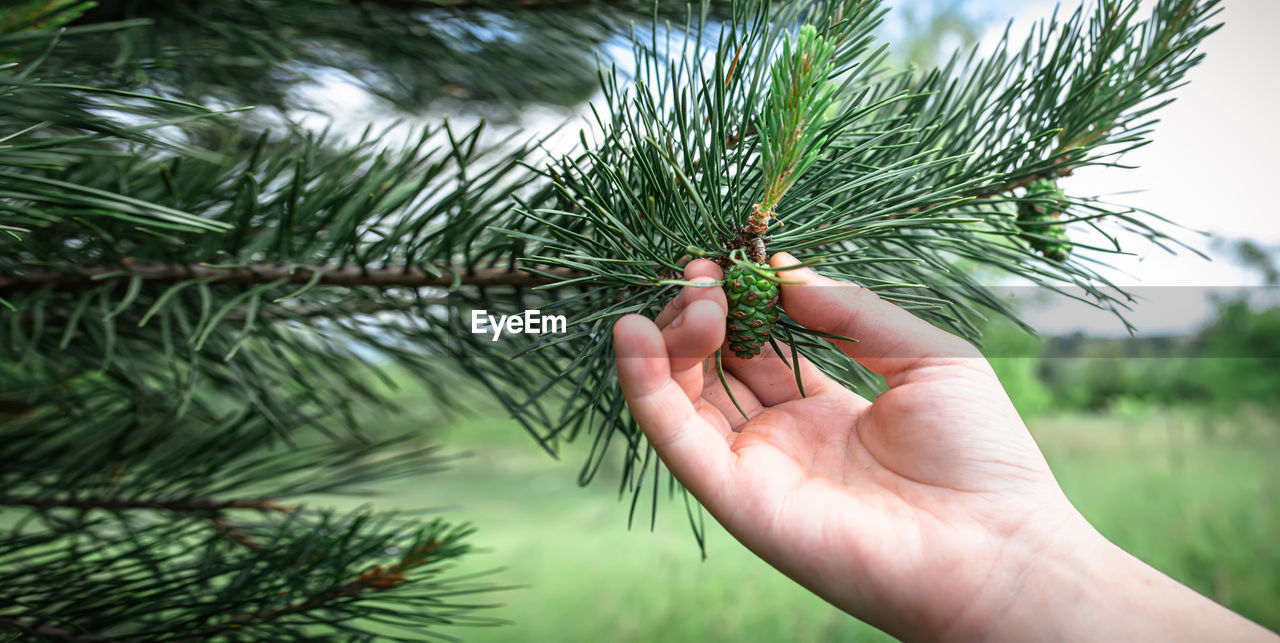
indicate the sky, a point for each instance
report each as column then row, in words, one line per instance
column 1210, row 168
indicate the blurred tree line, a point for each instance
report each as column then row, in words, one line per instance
column 1233, row 360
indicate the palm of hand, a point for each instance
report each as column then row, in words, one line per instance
column 916, row 474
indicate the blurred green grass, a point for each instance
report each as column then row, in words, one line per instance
column 1196, row 495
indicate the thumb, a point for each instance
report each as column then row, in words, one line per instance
column 891, row 341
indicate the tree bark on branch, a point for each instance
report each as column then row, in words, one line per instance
column 386, row 277
column 188, row 505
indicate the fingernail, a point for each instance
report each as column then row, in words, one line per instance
column 675, row 323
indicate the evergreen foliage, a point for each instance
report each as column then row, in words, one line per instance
column 199, row 309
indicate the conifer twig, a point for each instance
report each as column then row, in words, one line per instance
column 387, row 276
column 234, row 534
column 376, row 578
column 48, row 631
column 792, row 120
column 465, row 5
column 182, row 505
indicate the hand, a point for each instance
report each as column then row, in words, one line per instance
column 928, row 512
column 896, row 511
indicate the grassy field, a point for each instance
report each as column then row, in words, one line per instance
column 1198, row 499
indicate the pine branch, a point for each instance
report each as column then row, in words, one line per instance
column 234, row 534
column 314, row 575
column 349, row 276
column 407, row 52
column 48, row 631
column 793, row 116
column 183, row 505
column 376, row 578
column 491, row 5
column 999, row 189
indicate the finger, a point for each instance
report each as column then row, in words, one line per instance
column 772, row 379
column 692, row 337
column 698, row 271
column 891, row 341
column 694, row 450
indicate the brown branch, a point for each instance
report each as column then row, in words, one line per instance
column 235, row 535
column 995, row 190
column 376, row 578
column 739, row 242
column 491, row 5
column 280, row 312
column 350, row 276
column 46, row 631
column 1022, row 183
column 182, row 505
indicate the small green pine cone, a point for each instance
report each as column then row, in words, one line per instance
column 753, row 310
column 1039, row 220
column 1058, row 249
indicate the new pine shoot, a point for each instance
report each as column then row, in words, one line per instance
column 799, row 98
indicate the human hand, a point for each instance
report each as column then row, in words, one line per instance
column 928, row 512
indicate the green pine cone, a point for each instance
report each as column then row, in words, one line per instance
column 1058, row 249
column 753, row 310
column 1039, row 220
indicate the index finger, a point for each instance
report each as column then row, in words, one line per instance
column 701, row 271
column 693, row 449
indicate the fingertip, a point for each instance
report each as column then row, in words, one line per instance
column 782, row 260
column 636, row 336
column 802, row 274
column 695, row 335
column 703, row 268
column 628, row 323
column 701, row 271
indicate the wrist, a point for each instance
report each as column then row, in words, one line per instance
column 1049, row 582
column 1069, row 583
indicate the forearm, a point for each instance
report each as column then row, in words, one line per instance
column 1081, row 587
